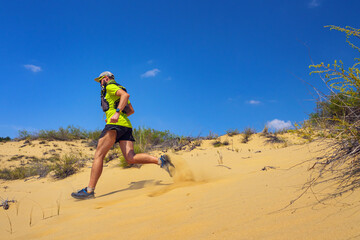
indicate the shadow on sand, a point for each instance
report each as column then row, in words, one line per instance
column 136, row 185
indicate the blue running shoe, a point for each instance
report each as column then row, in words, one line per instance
column 166, row 164
column 83, row 194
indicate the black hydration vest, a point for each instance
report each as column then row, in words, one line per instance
column 104, row 103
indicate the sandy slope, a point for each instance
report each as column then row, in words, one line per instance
column 205, row 200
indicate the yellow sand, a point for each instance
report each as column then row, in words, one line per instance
column 204, row 200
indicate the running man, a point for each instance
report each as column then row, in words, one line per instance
column 117, row 107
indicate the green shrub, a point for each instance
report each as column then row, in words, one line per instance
column 93, row 135
column 232, row 132
column 5, row 139
column 225, row 143
column 62, row 134
column 337, row 116
column 265, row 131
column 123, row 163
column 247, row 134
column 16, row 173
column 273, row 138
column 211, row 136
column 67, row 165
column 148, row 138
column 217, row 143
column 24, row 134
column 38, row 169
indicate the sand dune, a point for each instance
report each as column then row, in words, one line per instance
column 245, row 197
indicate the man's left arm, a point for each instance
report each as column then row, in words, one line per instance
column 130, row 110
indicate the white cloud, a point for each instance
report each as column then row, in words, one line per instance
column 278, row 124
column 314, row 3
column 33, row 68
column 253, row 102
column 150, row 73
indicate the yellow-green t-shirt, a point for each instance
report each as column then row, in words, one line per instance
column 111, row 97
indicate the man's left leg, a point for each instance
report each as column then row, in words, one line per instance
column 127, row 149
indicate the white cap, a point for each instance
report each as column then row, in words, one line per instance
column 106, row 73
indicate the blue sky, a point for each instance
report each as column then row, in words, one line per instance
column 190, row 66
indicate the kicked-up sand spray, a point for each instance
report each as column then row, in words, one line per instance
column 182, row 176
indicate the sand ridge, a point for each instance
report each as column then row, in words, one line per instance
column 235, row 198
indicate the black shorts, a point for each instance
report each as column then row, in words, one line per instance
column 122, row 133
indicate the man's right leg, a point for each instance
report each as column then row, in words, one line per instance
column 104, row 145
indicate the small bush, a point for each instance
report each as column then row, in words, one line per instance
column 247, row 134
column 17, row 173
column 16, row 158
column 93, row 135
column 281, row 131
column 67, row 165
column 217, row 143
column 232, row 132
column 149, row 139
column 24, row 134
column 265, row 131
column 113, row 154
column 225, row 143
column 62, row 134
column 41, row 169
column 273, row 138
column 123, row 162
column 5, row 139
column 211, row 136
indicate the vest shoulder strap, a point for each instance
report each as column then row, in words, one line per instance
column 113, row 82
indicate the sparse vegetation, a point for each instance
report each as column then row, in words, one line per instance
column 18, row 173
column 68, row 165
column 247, row 134
column 337, row 117
column 113, row 154
column 62, row 134
column 273, row 138
column 147, row 139
column 211, row 136
column 123, row 162
column 232, row 132
column 265, row 131
column 5, row 139
column 218, row 143
column 41, row 167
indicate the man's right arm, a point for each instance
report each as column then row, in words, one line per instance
column 124, row 97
